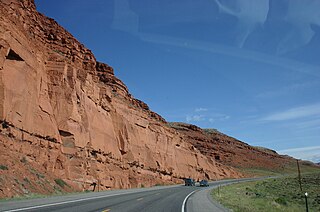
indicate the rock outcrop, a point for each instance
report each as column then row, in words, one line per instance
column 71, row 115
column 230, row 151
column 67, row 122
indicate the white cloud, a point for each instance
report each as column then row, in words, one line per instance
column 219, row 117
column 195, row 118
column 310, row 124
column 302, row 149
column 311, row 153
column 295, row 113
column 290, row 89
column 286, row 140
column 211, row 117
column 201, row 109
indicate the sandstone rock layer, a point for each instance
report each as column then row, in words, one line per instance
column 232, row 152
column 67, row 122
column 72, row 116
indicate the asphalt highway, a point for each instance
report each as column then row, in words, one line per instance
column 161, row 198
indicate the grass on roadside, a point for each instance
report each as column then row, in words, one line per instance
column 280, row 194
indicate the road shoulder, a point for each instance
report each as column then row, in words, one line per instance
column 202, row 201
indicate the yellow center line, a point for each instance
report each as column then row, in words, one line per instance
column 106, row 210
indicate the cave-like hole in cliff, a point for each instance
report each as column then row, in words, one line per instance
column 5, row 124
column 94, row 153
column 65, row 133
column 13, row 56
column 122, row 152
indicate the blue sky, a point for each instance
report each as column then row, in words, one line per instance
column 247, row 68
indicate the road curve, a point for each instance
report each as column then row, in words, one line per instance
column 161, row 198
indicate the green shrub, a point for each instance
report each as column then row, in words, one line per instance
column 60, row 182
column 3, row 167
column 26, row 180
column 281, row 201
column 40, row 175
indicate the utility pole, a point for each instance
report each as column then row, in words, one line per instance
column 306, row 197
column 299, row 175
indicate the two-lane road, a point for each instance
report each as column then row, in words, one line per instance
column 162, row 198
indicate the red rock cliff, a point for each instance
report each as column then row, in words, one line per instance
column 71, row 115
column 230, row 151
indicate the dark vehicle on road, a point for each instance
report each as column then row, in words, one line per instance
column 204, row 183
column 189, row 182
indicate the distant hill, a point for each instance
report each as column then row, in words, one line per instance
column 232, row 152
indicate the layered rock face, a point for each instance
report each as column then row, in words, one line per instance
column 230, row 151
column 70, row 114
column 20, row 175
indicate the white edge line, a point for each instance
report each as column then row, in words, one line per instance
column 185, row 200
column 66, row 202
